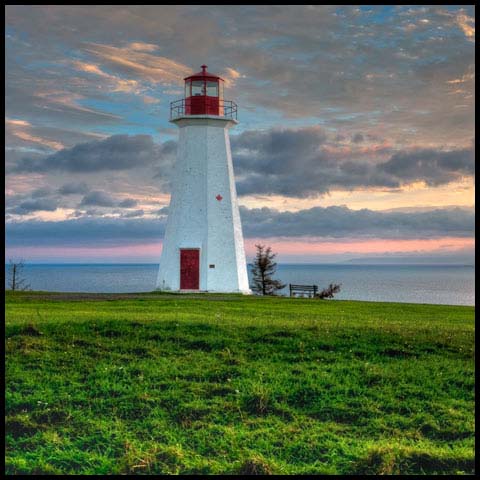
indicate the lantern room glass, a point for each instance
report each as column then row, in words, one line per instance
column 212, row 89
column 198, row 88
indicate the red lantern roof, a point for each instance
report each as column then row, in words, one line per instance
column 203, row 75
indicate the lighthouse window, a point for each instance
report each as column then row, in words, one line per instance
column 212, row 89
column 198, row 88
column 187, row 89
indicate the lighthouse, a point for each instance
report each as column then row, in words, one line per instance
column 203, row 246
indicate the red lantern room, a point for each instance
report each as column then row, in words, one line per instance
column 204, row 94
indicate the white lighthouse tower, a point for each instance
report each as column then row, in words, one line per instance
column 203, row 245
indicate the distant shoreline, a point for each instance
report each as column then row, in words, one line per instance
column 76, row 264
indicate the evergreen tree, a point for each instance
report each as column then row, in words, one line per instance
column 263, row 269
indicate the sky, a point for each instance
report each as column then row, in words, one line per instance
column 355, row 137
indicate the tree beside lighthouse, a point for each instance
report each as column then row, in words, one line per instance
column 203, row 247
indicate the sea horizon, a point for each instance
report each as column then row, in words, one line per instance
column 447, row 284
column 446, row 264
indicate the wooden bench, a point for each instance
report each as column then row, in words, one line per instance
column 311, row 290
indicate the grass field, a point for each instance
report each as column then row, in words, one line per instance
column 208, row 384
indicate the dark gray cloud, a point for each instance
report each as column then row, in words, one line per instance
column 434, row 167
column 330, row 222
column 291, row 162
column 41, row 192
column 84, row 231
column 118, row 152
column 73, row 188
column 128, row 203
column 340, row 222
column 34, row 205
column 298, row 163
column 98, row 199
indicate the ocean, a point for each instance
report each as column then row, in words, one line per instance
column 440, row 284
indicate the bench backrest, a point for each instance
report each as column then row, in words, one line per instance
column 303, row 288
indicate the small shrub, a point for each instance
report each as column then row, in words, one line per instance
column 328, row 292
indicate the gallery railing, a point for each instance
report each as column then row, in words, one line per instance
column 203, row 106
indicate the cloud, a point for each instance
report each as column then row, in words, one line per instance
column 50, row 101
column 135, row 59
column 84, row 231
column 34, row 205
column 98, row 199
column 230, row 77
column 41, row 192
column 467, row 24
column 118, row 152
column 128, row 203
column 21, row 135
column 112, row 82
column 298, row 163
column 341, row 222
column 467, row 77
column 133, row 213
column 142, row 47
column 73, row 188
column 434, row 167
column 330, row 222
column 21, row 132
column 340, row 65
column 303, row 162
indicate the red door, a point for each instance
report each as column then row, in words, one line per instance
column 189, row 269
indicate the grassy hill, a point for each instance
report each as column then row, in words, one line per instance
column 206, row 384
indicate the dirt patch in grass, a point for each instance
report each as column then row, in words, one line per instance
column 20, row 426
column 255, row 466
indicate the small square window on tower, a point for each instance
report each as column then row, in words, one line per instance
column 211, row 265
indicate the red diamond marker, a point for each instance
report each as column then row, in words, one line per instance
column 219, row 197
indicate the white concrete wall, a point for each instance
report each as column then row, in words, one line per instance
column 196, row 219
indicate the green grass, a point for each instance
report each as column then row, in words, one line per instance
column 209, row 384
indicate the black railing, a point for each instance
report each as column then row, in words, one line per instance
column 215, row 107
